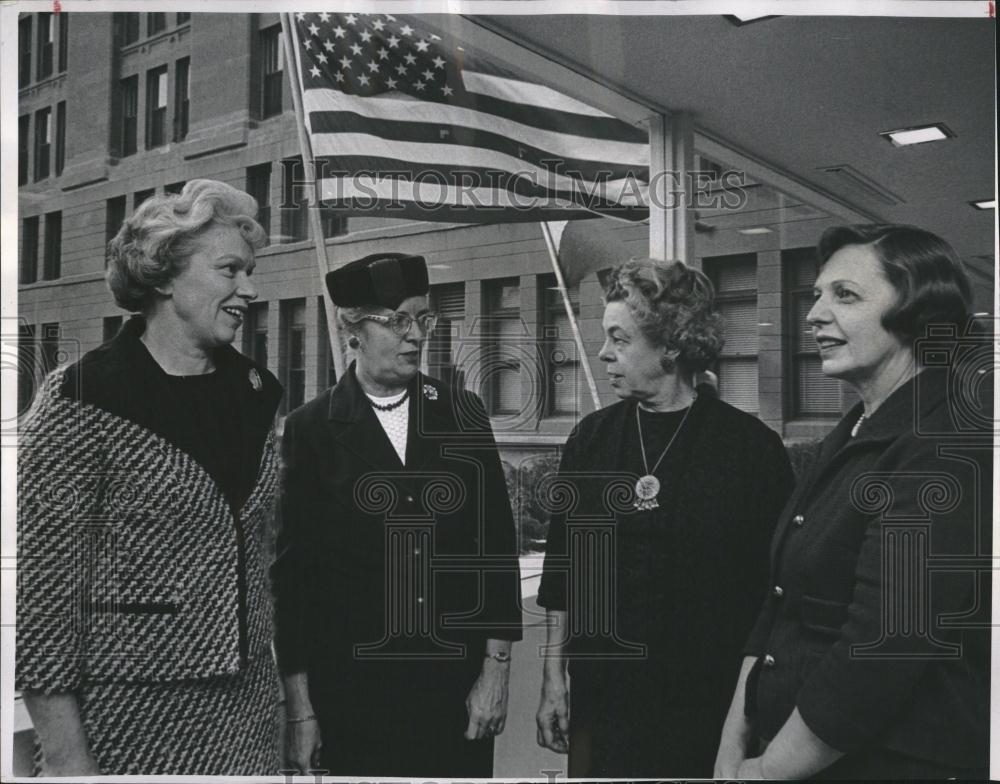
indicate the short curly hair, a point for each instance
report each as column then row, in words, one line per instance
column 154, row 243
column 931, row 284
column 674, row 306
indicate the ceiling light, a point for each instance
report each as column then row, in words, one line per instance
column 742, row 19
column 984, row 204
column 918, row 134
column 438, row 266
column 755, row 230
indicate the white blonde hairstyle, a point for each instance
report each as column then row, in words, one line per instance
column 153, row 245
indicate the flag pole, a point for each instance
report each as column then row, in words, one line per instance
column 322, row 263
column 577, row 337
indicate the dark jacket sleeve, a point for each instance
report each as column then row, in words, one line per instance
column 502, row 576
column 553, row 589
column 858, row 689
column 293, row 570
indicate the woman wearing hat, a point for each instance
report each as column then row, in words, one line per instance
column 396, row 582
column 147, row 471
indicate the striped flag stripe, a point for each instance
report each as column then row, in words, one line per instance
column 457, row 137
column 432, row 155
column 537, row 95
column 602, row 128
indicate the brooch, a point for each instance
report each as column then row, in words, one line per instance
column 255, row 381
column 430, row 392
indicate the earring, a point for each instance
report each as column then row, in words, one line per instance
column 353, row 342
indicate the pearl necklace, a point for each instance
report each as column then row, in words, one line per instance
column 857, row 425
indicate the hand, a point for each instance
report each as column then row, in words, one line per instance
column 553, row 716
column 728, row 760
column 302, row 746
column 487, row 701
column 750, row 769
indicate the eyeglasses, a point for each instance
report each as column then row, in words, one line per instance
column 400, row 323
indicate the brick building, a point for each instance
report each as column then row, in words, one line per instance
column 116, row 107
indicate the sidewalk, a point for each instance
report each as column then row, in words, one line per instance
column 517, row 753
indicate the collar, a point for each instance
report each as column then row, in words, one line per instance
column 901, row 412
column 348, row 401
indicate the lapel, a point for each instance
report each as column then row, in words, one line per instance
column 429, row 420
column 353, row 425
column 894, row 418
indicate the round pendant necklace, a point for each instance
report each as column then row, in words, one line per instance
column 648, row 486
column 391, row 406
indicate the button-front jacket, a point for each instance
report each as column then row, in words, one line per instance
column 389, row 576
column 876, row 625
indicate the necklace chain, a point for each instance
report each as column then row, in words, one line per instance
column 391, row 406
column 670, row 443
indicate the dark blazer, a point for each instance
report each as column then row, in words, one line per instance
column 389, row 578
column 683, row 581
column 879, row 633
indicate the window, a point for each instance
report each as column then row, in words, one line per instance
column 156, row 107
column 182, row 96
column 114, row 217
column 559, row 356
column 174, row 187
column 24, row 52
column 110, row 327
column 127, row 28
column 141, row 196
column 183, row 18
column 27, row 378
column 46, row 39
column 23, row 128
column 155, row 23
column 52, row 266
column 448, row 301
column 811, row 393
column 43, row 142
column 294, row 207
column 255, row 333
column 29, row 250
column 272, row 63
column 259, row 186
column 503, row 335
column 130, row 115
column 60, row 137
column 293, row 328
column 63, row 41
column 49, row 355
column 735, row 281
column 327, row 375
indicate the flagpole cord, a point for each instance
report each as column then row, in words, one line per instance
column 308, row 165
column 574, row 326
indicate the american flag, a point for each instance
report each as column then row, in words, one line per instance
column 404, row 123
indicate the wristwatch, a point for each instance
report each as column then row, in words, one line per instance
column 500, row 656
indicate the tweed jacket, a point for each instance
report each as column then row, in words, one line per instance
column 687, row 579
column 877, row 624
column 382, row 568
column 132, row 567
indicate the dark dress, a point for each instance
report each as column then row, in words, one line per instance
column 881, row 634
column 390, row 577
column 654, row 659
column 143, row 588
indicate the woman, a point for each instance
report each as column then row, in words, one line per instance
column 146, row 473
column 665, row 505
column 396, row 583
column 869, row 659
